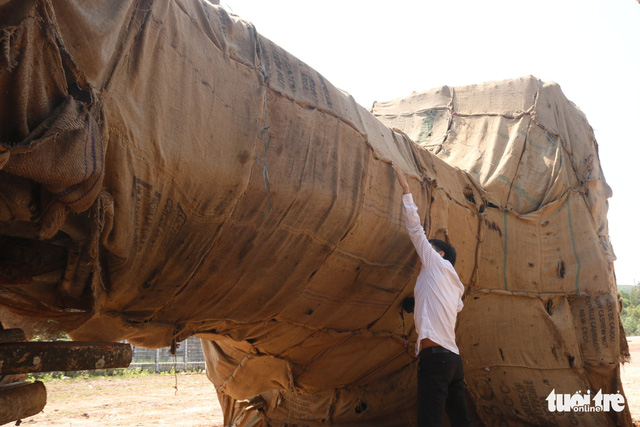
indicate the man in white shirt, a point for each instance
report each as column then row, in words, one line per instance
column 438, row 299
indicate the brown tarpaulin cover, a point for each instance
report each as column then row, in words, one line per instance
column 166, row 171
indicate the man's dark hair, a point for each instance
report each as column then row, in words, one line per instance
column 449, row 251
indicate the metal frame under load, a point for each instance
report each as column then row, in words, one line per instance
column 20, row 399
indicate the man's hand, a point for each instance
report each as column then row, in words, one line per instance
column 408, row 304
column 402, row 178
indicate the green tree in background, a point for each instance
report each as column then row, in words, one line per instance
column 631, row 311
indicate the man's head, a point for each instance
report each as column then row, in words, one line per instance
column 448, row 251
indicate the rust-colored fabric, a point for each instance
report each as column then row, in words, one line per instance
column 167, row 172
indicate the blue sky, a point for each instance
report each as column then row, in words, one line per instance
column 378, row 51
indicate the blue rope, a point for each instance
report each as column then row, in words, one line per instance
column 266, row 140
column 552, row 142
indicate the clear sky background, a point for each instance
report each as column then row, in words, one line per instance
column 382, row 50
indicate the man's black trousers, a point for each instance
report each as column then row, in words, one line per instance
column 440, row 388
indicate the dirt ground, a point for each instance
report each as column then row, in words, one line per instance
column 153, row 400
column 142, row 401
column 630, row 373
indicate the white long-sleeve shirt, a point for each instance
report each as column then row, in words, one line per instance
column 438, row 290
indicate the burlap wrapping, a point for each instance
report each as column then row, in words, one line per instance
column 171, row 172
